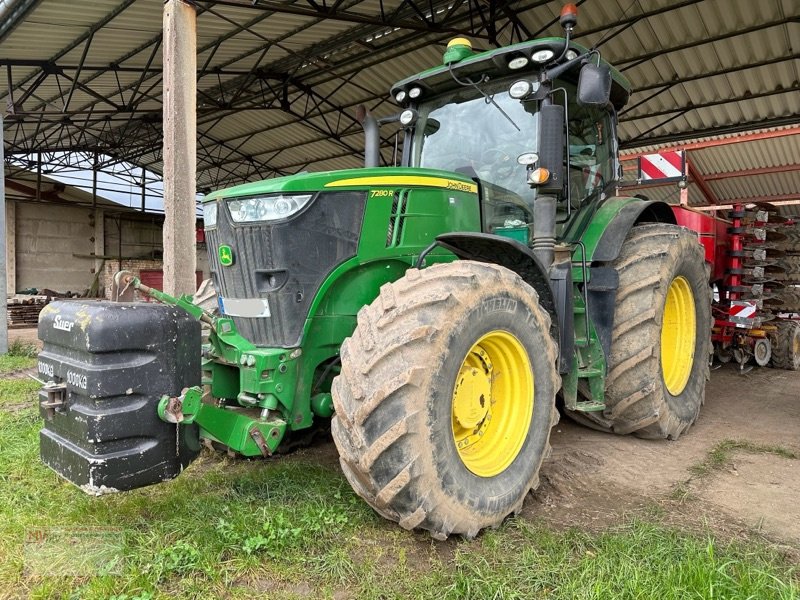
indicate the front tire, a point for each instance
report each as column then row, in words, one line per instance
column 661, row 340
column 446, row 398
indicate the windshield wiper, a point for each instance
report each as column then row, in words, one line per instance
column 487, row 98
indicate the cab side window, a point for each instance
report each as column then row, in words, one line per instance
column 591, row 151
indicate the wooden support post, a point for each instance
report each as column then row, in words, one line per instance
column 180, row 141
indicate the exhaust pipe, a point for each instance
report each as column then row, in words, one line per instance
column 551, row 157
column 372, row 139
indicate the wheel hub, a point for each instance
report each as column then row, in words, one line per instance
column 762, row 352
column 472, row 397
column 492, row 403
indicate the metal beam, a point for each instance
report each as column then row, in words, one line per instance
column 753, row 172
column 777, row 200
column 321, row 12
column 739, row 139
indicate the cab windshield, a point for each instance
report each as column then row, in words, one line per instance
column 464, row 132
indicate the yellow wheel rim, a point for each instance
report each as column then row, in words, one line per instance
column 678, row 335
column 492, row 403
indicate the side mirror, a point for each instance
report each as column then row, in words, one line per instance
column 594, row 85
column 432, row 126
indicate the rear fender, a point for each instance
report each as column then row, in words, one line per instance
column 611, row 223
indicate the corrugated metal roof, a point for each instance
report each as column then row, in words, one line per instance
column 277, row 91
column 745, row 167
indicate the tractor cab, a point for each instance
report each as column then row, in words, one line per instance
column 480, row 114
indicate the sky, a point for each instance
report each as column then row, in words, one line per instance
column 115, row 186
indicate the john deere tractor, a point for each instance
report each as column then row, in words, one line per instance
column 432, row 314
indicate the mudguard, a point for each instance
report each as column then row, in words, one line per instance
column 613, row 220
column 511, row 254
column 603, row 239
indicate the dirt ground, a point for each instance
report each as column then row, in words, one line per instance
column 28, row 335
column 594, row 480
column 593, row 476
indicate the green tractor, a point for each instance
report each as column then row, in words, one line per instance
column 432, row 314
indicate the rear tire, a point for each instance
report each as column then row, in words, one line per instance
column 789, row 298
column 657, row 262
column 397, row 398
column 786, row 346
column 792, row 266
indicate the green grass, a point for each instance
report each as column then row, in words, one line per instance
column 20, row 356
column 292, row 528
column 721, row 455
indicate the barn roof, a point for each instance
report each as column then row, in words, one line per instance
column 278, row 82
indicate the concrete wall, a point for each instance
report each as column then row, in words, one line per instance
column 140, row 238
column 48, row 238
column 51, row 246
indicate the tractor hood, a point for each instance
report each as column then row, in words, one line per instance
column 357, row 179
column 268, row 267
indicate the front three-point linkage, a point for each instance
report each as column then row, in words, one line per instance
column 250, row 435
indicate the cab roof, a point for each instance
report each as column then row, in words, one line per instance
column 494, row 63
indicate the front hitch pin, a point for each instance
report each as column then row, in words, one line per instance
column 173, row 413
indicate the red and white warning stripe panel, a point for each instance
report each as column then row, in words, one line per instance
column 665, row 166
column 742, row 313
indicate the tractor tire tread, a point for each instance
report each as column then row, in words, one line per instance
column 635, row 403
column 377, row 424
column 783, row 355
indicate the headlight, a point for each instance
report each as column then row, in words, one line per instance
column 407, row 117
column 543, row 55
column 266, row 208
column 517, row 62
column 414, row 92
column 209, row 214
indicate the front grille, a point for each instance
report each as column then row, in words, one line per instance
column 285, row 262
